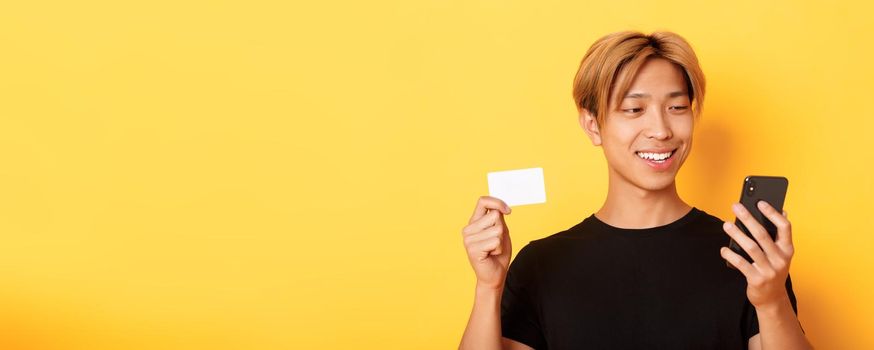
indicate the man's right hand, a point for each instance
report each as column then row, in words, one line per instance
column 487, row 240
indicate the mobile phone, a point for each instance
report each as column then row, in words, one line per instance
column 771, row 189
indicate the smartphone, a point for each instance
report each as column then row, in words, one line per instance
column 771, row 189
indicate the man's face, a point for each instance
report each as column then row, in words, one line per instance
column 653, row 121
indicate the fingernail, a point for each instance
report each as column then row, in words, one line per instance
column 726, row 225
column 761, row 204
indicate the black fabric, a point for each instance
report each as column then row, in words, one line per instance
column 595, row 286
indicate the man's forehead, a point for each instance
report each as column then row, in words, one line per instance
column 653, row 75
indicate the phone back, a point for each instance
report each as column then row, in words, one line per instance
column 771, row 189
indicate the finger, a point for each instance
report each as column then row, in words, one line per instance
column 506, row 244
column 747, row 244
column 788, row 248
column 784, row 227
column 758, row 232
column 498, row 250
column 485, row 203
column 490, row 219
column 483, row 249
column 738, row 262
column 488, row 233
column 506, row 241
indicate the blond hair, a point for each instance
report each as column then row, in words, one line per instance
column 625, row 52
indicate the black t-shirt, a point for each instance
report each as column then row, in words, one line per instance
column 595, row 286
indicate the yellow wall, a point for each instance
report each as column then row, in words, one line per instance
column 259, row 175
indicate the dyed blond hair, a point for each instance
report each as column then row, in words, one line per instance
column 625, row 52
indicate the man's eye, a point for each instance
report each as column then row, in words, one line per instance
column 632, row 110
column 679, row 107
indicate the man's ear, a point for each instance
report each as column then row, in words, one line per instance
column 590, row 126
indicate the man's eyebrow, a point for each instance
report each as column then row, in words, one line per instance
column 643, row 95
column 637, row 95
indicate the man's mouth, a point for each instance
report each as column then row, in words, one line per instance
column 656, row 157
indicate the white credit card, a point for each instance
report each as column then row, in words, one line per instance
column 518, row 187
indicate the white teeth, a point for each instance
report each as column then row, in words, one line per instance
column 654, row 156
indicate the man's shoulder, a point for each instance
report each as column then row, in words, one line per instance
column 706, row 222
column 546, row 245
column 551, row 240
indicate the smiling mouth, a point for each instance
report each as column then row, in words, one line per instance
column 657, row 158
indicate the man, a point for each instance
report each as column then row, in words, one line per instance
column 647, row 270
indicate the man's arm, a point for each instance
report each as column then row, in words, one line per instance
column 484, row 327
column 779, row 329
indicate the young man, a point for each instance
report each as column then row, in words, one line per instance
column 647, row 270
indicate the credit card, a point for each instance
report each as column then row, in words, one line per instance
column 518, row 187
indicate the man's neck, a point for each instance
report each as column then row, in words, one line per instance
column 629, row 206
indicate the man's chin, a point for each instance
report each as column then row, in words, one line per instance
column 657, row 183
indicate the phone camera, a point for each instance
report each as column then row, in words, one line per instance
column 751, row 187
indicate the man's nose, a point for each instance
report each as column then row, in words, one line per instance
column 657, row 126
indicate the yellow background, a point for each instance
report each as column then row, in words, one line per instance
column 274, row 175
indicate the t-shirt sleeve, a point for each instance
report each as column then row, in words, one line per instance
column 519, row 316
column 751, row 320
